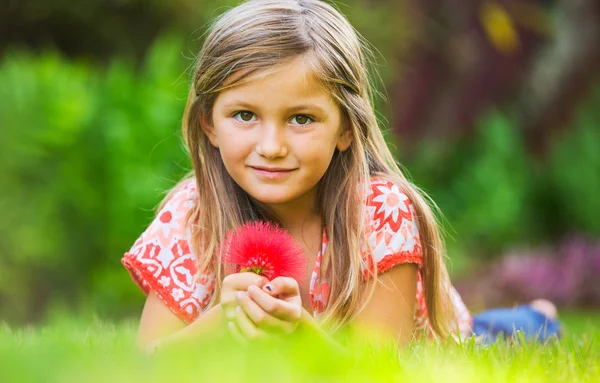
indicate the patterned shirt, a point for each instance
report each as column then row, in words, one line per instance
column 162, row 259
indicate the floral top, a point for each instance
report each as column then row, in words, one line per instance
column 162, row 260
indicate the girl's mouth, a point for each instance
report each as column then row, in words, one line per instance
column 271, row 173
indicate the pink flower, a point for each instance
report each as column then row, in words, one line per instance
column 265, row 249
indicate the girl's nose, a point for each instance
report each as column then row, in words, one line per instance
column 271, row 142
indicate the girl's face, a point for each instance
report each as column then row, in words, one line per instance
column 277, row 134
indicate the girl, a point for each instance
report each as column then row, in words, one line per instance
column 280, row 126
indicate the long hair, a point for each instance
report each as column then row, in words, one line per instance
column 250, row 40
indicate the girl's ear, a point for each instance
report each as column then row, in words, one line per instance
column 209, row 129
column 345, row 140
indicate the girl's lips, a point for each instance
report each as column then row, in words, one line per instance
column 272, row 173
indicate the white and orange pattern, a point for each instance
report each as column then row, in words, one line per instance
column 161, row 259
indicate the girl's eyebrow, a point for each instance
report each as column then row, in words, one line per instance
column 237, row 104
column 242, row 104
column 305, row 107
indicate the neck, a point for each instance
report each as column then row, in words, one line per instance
column 303, row 221
column 296, row 214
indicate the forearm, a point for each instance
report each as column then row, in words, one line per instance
column 357, row 334
column 209, row 324
column 309, row 325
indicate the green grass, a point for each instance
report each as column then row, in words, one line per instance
column 580, row 322
column 70, row 350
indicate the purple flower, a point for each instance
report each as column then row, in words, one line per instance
column 566, row 274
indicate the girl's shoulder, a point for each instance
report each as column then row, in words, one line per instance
column 387, row 204
column 162, row 260
column 392, row 230
column 171, row 220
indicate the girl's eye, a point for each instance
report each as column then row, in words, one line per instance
column 301, row 120
column 244, row 116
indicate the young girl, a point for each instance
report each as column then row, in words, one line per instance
column 280, row 126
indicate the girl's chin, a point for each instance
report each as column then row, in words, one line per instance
column 278, row 195
column 271, row 198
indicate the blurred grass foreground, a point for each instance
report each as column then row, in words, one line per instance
column 71, row 351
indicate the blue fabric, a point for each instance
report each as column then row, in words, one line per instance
column 506, row 321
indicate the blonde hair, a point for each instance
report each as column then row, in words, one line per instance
column 261, row 34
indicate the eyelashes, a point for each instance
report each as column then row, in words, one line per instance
column 302, row 117
column 245, row 116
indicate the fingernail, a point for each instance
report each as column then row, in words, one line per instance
column 238, row 309
column 238, row 295
column 268, row 288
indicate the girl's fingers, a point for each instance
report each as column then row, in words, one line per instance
column 278, row 308
column 246, row 327
column 234, row 283
column 260, row 317
column 284, row 287
column 235, row 332
column 241, row 281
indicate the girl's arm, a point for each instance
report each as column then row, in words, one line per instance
column 390, row 312
column 387, row 316
column 159, row 326
column 309, row 324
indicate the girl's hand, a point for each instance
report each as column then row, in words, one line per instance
column 277, row 307
column 237, row 320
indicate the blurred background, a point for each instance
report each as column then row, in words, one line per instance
column 492, row 106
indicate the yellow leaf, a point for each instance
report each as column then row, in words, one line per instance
column 499, row 27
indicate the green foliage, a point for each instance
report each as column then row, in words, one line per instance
column 482, row 185
column 85, row 156
column 487, row 200
column 494, row 193
column 48, row 166
column 574, row 170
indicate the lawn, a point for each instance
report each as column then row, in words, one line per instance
column 69, row 350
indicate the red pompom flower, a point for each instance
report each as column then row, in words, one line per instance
column 265, row 249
